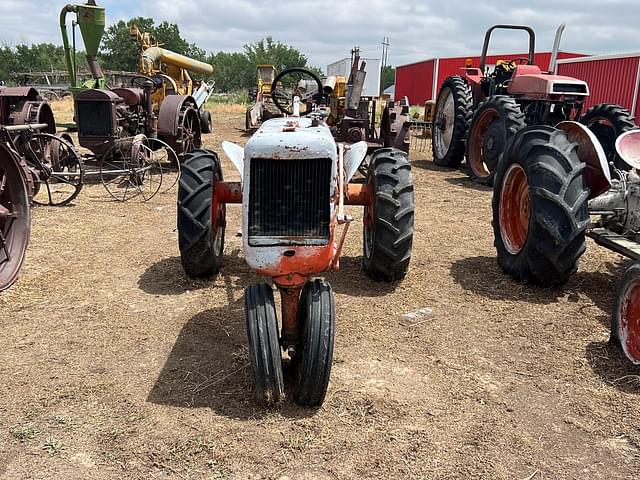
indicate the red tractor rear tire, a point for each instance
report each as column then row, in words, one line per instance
column 608, row 122
column 540, row 207
column 450, row 121
column 494, row 122
column 388, row 220
column 201, row 220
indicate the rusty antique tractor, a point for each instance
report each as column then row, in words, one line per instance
column 553, row 187
column 477, row 112
column 104, row 116
column 296, row 181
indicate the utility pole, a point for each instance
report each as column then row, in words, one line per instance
column 383, row 62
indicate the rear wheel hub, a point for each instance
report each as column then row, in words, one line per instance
column 515, row 209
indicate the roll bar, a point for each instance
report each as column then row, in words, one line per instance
column 487, row 37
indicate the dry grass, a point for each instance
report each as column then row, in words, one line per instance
column 63, row 109
column 147, row 367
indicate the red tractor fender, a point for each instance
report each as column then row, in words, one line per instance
column 628, row 147
column 169, row 114
column 597, row 174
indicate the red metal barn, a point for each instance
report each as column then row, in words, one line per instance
column 611, row 78
column 421, row 81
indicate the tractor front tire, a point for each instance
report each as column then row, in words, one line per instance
column 201, row 220
column 494, row 122
column 264, row 344
column 388, row 219
column 540, row 207
column 608, row 122
column 314, row 356
column 450, row 121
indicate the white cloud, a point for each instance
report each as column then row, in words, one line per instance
column 325, row 31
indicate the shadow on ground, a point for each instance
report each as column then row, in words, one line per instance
column 466, row 182
column 483, row 276
column 609, row 362
column 209, row 366
column 167, row 277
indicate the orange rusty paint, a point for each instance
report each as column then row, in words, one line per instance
column 290, row 299
column 358, row 194
column 228, row 192
column 514, row 209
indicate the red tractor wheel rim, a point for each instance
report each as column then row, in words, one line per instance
column 514, row 209
column 477, row 139
column 629, row 327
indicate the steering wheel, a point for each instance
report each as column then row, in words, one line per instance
column 138, row 81
column 283, row 74
column 519, row 61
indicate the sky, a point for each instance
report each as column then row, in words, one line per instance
column 325, row 31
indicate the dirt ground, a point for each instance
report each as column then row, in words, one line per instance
column 114, row 365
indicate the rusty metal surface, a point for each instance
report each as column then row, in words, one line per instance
column 131, row 96
column 27, row 93
column 168, row 117
column 15, row 215
column 628, row 147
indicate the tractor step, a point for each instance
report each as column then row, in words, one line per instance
column 616, row 242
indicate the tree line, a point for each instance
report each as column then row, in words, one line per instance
column 232, row 71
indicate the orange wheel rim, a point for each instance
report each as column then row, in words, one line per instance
column 514, row 209
column 482, row 145
column 629, row 327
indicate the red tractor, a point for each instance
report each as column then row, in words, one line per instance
column 476, row 113
column 296, row 181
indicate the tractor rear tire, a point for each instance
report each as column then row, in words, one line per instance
column 494, row 122
column 388, row 220
column 264, row 344
column 451, row 117
column 540, row 207
column 314, row 356
column 201, row 220
column 608, row 122
column 205, row 121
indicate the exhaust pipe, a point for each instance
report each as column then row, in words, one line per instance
column 329, row 84
column 553, row 62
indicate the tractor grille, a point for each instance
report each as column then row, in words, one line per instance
column 289, row 202
column 94, row 118
column 569, row 88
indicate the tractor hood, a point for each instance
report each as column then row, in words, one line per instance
column 291, row 138
column 529, row 81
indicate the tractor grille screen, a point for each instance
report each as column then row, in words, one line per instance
column 94, row 118
column 569, row 88
column 289, row 201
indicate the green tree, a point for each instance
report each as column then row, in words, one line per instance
column 388, row 77
column 278, row 54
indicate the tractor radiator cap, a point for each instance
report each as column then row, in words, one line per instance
column 628, row 147
column 590, row 151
